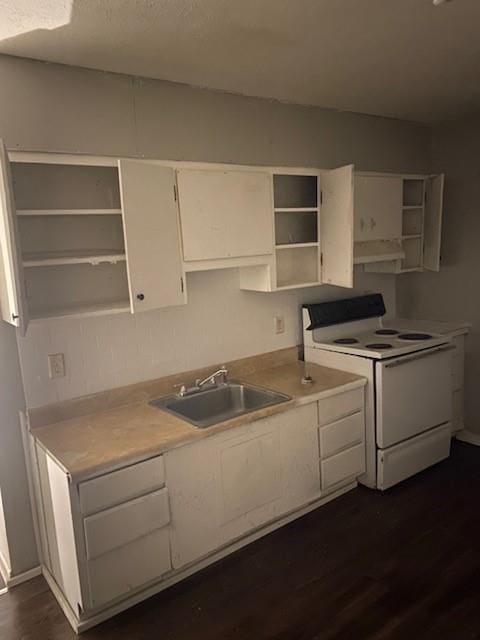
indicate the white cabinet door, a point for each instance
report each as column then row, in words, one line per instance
column 378, row 208
column 228, row 485
column 433, row 222
column 12, row 287
column 336, row 226
column 225, row 214
column 152, row 244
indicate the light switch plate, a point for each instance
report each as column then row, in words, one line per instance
column 56, row 365
column 279, row 324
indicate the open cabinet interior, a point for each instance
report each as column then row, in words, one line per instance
column 71, row 238
column 296, row 213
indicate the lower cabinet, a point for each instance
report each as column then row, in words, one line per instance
column 227, row 485
column 111, row 538
column 341, row 438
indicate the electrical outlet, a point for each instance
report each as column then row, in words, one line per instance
column 279, row 324
column 56, row 365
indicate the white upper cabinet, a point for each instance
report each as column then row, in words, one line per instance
column 225, row 214
column 152, row 243
column 336, row 224
column 77, row 238
column 12, row 288
column 398, row 221
column 433, row 222
column 378, row 208
column 313, row 224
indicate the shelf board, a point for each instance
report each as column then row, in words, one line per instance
column 296, row 209
column 297, row 285
column 55, row 258
column 296, row 245
column 408, row 207
column 365, row 252
column 410, row 269
column 69, row 212
column 76, row 311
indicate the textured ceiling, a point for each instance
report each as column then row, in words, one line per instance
column 400, row 58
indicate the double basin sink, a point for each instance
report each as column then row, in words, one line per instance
column 221, row 402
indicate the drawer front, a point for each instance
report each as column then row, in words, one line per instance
column 342, row 434
column 126, row 522
column 129, row 568
column 344, row 466
column 122, row 485
column 338, row 406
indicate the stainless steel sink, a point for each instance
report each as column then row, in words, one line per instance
column 222, row 402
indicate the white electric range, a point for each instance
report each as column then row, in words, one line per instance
column 408, row 405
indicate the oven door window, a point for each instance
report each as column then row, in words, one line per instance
column 413, row 394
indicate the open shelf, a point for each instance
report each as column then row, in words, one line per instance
column 413, row 254
column 296, row 227
column 52, row 258
column 296, row 209
column 75, row 286
column 39, row 186
column 412, row 221
column 76, row 311
column 413, row 192
column 296, row 245
column 297, row 266
column 68, row 212
column 377, row 251
column 295, row 191
column 67, row 239
column 72, row 240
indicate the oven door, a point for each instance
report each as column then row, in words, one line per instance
column 413, row 394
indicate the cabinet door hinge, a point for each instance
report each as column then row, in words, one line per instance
column 321, row 196
column 181, row 285
column 321, row 259
column 175, row 192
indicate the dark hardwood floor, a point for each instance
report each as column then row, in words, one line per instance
column 400, row 565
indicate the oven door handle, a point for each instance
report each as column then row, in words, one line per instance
column 420, row 356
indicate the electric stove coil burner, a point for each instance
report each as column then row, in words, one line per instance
column 387, row 332
column 415, row 336
column 379, row 345
column 346, row 341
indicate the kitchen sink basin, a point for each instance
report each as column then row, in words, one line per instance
column 213, row 405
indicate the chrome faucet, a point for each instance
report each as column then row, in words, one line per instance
column 199, row 384
column 212, row 378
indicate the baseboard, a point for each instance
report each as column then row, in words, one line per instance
column 14, row 581
column 468, row 436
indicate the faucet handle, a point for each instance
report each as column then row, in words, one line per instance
column 183, row 388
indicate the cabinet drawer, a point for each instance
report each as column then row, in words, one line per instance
column 122, row 485
column 120, row 525
column 338, row 406
column 128, row 568
column 342, row 434
column 344, row 466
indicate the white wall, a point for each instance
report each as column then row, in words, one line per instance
column 51, row 107
column 17, row 541
column 453, row 292
column 220, row 323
